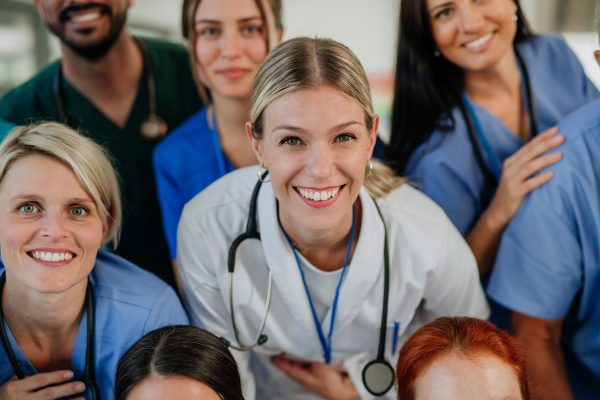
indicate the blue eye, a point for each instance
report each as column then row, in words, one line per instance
column 250, row 30
column 209, row 32
column 345, row 137
column 28, row 208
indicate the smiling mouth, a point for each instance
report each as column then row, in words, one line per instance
column 49, row 256
column 480, row 42
column 318, row 195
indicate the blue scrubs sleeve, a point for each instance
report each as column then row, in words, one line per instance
column 169, row 197
column 538, row 270
column 167, row 310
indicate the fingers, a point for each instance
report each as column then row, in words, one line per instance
column 534, row 148
column 537, row 181
column 537, row 164
column 297, row 371
column 39, row 381
column 56, row 392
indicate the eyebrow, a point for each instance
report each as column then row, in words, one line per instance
column 212, row 21
column 304, row 131
column 35, row 197
column 441, row 6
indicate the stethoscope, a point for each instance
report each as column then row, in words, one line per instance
column 89, row 372
column 152, row 128
column 378, row 374
column 474, row 129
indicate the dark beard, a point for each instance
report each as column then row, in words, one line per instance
column 92, row 51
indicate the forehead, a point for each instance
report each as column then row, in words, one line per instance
column 456, row 377
column 313, row 109
column 227, row 9
column 44, row 176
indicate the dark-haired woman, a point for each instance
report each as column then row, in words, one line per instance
column 475, row 63
column 178, row 362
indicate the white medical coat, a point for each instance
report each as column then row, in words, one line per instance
column 432, row 273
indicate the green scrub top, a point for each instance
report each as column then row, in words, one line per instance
column 5, row 127
column 142, row 239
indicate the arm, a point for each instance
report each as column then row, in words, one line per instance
column 541, row 341
column 516, row 181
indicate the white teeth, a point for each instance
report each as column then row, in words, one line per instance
column 86, row 17
column 479, row 42
column 318, row 196
column 48, row 256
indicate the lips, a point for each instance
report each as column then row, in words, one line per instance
column 51, row 256
column 319, row 197
column 479, row 43
column 80, row 13
column 233, row 73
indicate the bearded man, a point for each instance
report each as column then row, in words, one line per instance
column 124, row 92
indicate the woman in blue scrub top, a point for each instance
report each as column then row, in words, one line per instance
column 60, row 296
column 478, row 56
column 228, row 40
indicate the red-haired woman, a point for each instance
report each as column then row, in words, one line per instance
column 461, row 358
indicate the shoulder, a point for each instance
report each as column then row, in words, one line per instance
column 544, row 44
column 190, row 130
column 406, row 202
column 25, row 102
column 226, row 192
column 120, row 281
column 584, row 121
column 549, row 52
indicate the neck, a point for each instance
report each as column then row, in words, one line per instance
column 326, row 250
column 231, row 115
column 42, row 318
column 502, row 78
column 118, row 71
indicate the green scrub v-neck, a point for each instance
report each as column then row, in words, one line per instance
column 142, row 239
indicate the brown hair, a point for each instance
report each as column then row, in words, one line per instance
column 188, row 27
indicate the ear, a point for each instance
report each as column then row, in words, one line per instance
column 256, row 146
column 106, row 225
column 373, row 136
column 597, row 55
column 279, row 35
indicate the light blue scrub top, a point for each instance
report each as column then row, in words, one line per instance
column 445, row 167
column 186, row 162
column 5, row 127
column 129, row 302
column 548, row 265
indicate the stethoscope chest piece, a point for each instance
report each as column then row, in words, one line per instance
column 153, row 127
column 378, row 377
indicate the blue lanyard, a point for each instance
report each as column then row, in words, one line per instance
column 217, row 145
column 326, row 344
column 494, row 166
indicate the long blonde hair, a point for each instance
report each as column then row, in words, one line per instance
column 272, row 22
column 303, row 63
column 90, row 162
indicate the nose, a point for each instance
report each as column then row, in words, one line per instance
column 471, row 18
column 231, row 45
column 320, row 162
column 54, row 227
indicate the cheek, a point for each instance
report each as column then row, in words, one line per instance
column 206, row 53
column 256, row 50
column 444, row 34
column 13, row 236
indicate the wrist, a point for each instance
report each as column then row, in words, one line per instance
column 494, row 219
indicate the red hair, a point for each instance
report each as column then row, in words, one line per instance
column 461, row 335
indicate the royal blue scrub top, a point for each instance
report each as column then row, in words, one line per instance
column 548, row 264
column 445, row 167
column 129, row 302
column 186, row 162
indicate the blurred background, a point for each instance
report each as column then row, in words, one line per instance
column 368, row 27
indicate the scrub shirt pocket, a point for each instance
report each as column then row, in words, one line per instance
column 393, row 333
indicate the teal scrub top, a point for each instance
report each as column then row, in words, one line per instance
column 142, row 239
column 5, row 127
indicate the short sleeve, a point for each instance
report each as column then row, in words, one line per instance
column 169, row 198
column 167, row 310
column 447, row 183
column 538, row 269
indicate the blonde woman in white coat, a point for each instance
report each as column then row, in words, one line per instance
column 312, row 126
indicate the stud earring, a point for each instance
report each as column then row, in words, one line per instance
column 437, row 53
column 515, row 16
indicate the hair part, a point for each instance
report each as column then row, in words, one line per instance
column 179, row 351
column 463, row 336
column 89, row 161
column 427, row 88
column 272, row 22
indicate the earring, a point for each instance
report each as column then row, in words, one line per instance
column 260, row 175
column 368, row 168
column 515, row 16
column 437, row 53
